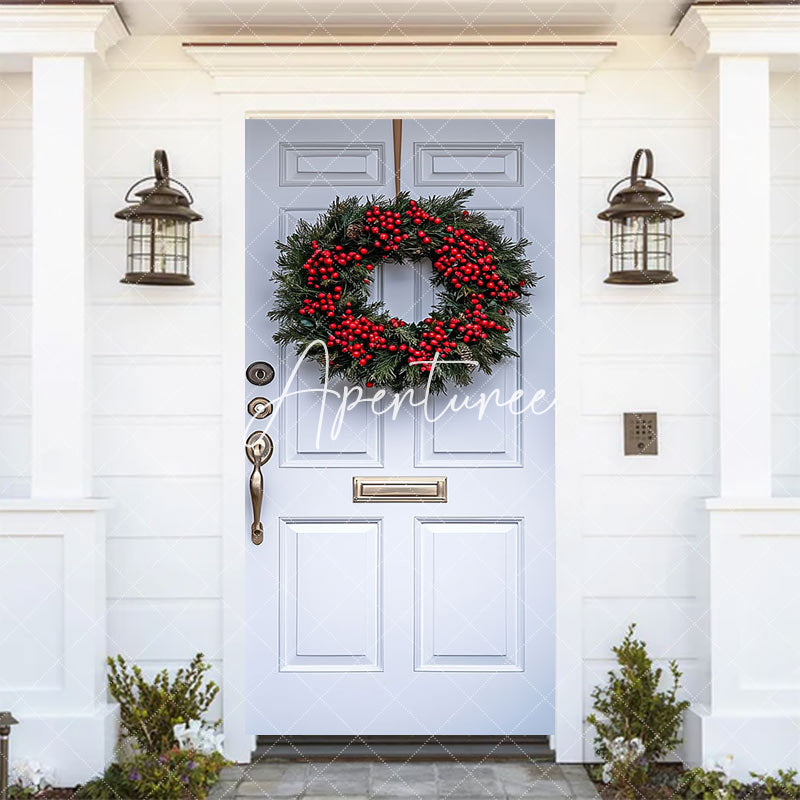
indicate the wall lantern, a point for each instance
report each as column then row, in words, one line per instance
column 641, row 227
column 6, row 721
column 158, row 229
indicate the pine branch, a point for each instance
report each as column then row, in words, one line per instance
column 346, row 225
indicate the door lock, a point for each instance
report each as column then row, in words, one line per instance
column 259, row 407
column 259, row 449
column 259, row 373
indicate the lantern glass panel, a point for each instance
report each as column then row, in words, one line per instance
column 640, row 243
column 158, row 245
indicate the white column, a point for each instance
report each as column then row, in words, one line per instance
column 744, row 258
column 61, row 397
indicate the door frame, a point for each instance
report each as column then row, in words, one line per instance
column 538, row 79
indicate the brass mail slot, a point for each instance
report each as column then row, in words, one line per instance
column 399, row 490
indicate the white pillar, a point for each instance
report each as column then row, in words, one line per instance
column 59, row 696
column 59, row 366
column 753, row 705
column 744, row 256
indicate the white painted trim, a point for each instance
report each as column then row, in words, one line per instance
column 757, row 29
column 238, row 744
column 569, row 557
column 751, row 554
column 89, row 29
column 60, row 442
column 411, row 96
column 64, row 716
column 81, row 744
column 546, row 66
column 753, row 504
column 745, row 301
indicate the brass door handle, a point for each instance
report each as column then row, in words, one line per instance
column 259, row 449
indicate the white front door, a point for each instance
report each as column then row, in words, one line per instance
column 403, row 618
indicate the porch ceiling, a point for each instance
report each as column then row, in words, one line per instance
column 467, row 18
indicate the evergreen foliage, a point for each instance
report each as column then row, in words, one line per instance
column 150, row 710
column 632, row 706
column 346, row 223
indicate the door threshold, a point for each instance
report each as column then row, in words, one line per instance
column 403, row 748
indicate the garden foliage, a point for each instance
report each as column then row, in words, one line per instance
column 633, row 706
column 150, row 710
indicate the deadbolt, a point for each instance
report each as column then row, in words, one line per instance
column 259, row 407
column 259, row 373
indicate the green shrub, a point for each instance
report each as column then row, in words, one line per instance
column 17, row 792
column 701, row 784
column 784, row 786
column 174, row 775
column 112, row 785
column 631, row 706
column 148, row 711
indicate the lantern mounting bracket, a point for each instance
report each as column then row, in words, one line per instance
column 648, row 175
column 166, row 181
column 161, row 165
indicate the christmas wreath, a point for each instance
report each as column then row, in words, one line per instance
column 325, row 269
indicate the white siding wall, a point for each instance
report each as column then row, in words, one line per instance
column 156, row 358
column 156, row 354
column 786, row 282
column 15, row 284
column 647, row 349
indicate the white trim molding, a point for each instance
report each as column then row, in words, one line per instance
column 547, row 65
column 753, row 540
column 60, row 464
column 710, row 29
column 754, row 699
column 56, row 620
column 88, row 29
column 260, row 81
column 745, row 360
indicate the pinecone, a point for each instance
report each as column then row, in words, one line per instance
column 465, row 354
column 354, row 230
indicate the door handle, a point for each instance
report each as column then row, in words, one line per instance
column 259, row 449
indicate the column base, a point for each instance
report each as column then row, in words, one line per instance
column 758, row 743
column 76, row 746
column 52, row 569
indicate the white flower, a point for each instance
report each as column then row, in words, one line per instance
column 198, row 735
column 636, row 747
column 624, row 754
column 30, row 774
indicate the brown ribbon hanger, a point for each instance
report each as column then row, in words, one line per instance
column 397, row 136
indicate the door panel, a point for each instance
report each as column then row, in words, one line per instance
column 311, row 433
column 481, row 435
column 380, row 618
column 330, row 596
column 476, row 631
column 332, row 164
column 493, row 163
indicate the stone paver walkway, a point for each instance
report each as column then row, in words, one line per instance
column 340, row 780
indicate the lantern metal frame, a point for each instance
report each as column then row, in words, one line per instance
column 159, row 228
column 640, row 227
column 6, row 721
